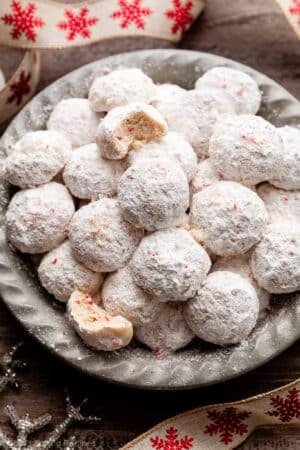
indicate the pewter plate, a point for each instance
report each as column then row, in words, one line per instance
column 199, row 364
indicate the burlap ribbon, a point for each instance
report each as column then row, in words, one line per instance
column 43, row 24
column 219, row 427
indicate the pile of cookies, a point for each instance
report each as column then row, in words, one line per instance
column 159, row 212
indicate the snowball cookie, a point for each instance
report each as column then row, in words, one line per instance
column 173, row 145
column 74, row 118
column 170, row 265
column 120, row 295
column 204, row 177
column 245, row 148
column 231, row 217
column 241, row 265
column 281, row 205
column 153, row 194
column 97, row 328
column 168, row 332
column 119, row 88
column 288, row 176
column 89, row 176
column 166, row 90
column 2, row 80
column 242, row 88
column 100, row 239
column 37, row 220
column 275, row 261
column 225, row 309
column 129, row 127
column 194, row 114
column 37, row 157
column 61, row 274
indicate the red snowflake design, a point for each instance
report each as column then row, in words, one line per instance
column 181, row 15
column 227, row 423
column 295, row 9
column 286, row 408
column 171, row 441
column 23, row 20
column 131, row 12
column 77, row 24
column 20, row 88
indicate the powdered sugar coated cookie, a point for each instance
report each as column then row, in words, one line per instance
column 170, row 265
column 36, row 158
column 230, row 217
column 281, row 205
column 100, row 238
column 37, row 219
column 225, row 309
column 153, row 193
column 60, row 274
column 74, row 118
column 89, row 176
column 204, row 177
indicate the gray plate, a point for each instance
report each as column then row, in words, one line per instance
column 199, row 364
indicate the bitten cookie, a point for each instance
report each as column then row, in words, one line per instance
column 96, row 327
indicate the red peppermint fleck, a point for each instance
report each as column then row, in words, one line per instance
column 77, row 24
column 54, row 261
column 241, row 90
column 23, row 20
column 235, row 206
column 180, row 15
column 227, row 423
column 286, row 408
column 131, row 12
column 171, row 441
column 285, row 199
column 295, row 8
column 20, row 88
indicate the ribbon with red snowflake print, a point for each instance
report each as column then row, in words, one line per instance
column 219, row 427
column 21, row 86
column 291, row 9
column 47, row 24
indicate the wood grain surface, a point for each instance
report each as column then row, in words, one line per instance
column 253, row 32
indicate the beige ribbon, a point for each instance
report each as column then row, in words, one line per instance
column 223, row 426
column 291, row 9
column 45, row 24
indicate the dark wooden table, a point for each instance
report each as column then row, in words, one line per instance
column 256, row 33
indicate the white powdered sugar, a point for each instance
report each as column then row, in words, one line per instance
column 281, row 205
column 119, row 88
column 153, row 193
column 89, row 176
column 172, row 145
column 37, row 220
column 224, row 310
column 74, row 118
column 230, row 217
column 60, row 274
column 2, row 80
column 246, row 148
column 194, row 114
column 100, row 238
column 36, row 158
column 170, row 265
column 241, row 265
column 240, row 86
column 275, row 261
column 204, row 177
column 168, row 332
column 121, row 296
column 288, row 175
